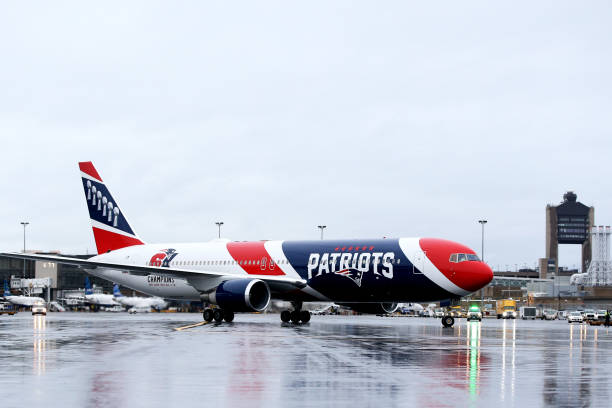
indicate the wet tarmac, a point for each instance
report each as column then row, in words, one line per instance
column 119, row 360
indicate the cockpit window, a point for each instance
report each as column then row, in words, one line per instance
column 464, row 257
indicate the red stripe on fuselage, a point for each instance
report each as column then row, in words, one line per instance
column 249, row 254
column 468, row 275
column 109, row 241
column 89, row 169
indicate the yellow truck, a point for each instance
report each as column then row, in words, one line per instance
column 506, row 309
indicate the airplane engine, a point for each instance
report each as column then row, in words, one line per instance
column 241, row 295
column 372, row 308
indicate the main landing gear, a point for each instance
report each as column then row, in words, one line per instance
column 295, row 316
column 218, row 315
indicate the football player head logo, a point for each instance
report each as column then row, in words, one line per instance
column 163, row 258
column 353, row 274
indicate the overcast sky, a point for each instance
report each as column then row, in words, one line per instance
column 376, row 119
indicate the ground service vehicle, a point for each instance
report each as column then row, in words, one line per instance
column 474, row 313
column 7, row 308
column 365, row 275
column 549, row 314
column 528, row 312
column 39, row 309
column 589, row 314
column 506, row 309
column 575, row 317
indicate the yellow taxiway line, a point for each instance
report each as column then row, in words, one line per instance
column 191, row 326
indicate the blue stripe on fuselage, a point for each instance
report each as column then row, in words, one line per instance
column 360, row 271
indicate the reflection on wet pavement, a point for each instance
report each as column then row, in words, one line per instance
column 97, row 360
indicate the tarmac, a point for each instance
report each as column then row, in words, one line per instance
column 120, row 360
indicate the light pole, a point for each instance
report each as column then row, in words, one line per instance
column 482, row 224
column 322, row 227
column 25, row 224
column 219, row 224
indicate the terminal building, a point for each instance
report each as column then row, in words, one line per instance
column 62, row 277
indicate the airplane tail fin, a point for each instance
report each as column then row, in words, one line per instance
column 110, row 227
column 88, row 289
column 7, row 291
column 116, row 291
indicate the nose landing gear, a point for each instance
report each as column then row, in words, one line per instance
column 297, row 315
column 448, row 321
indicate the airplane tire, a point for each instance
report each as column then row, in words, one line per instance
column 305, row 316
column 218, row 315
column 295, row 317
column 228, row 315
column 208, row 315
column 448, row 321
column 285, row 316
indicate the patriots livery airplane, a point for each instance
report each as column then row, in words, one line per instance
column 366, row 275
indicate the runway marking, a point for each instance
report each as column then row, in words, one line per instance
column 190, row 326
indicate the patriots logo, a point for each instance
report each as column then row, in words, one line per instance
column 353, row 274
column 163, row 258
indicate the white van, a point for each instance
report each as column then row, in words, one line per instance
column 39, row 309
column 528, row 312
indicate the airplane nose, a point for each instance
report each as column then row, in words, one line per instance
column 470, row 275
column 481, row 276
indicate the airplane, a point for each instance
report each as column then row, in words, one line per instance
column 138, row 302
column 366, row 275
column 97, row 300
column 20, row 300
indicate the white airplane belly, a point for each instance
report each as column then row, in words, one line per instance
column 154, row 285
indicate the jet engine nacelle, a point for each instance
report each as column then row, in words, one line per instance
column 372, row 308
column 241, row 295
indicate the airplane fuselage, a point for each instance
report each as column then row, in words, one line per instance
column 377, row 270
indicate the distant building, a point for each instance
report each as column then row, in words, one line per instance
column 63, row 277
column 567, row 223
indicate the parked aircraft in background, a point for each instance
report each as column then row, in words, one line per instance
column 367, row 275
column 137, row 302
column 97, row 300
column 19, row 300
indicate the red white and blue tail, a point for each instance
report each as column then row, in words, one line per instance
column 110, row 227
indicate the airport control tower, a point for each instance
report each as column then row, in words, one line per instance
column 567, row 223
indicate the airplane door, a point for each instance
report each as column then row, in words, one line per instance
column 418, row 262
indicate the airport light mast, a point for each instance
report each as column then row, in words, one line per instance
column 219, row 224
column 321, row 227
column 25, row 224
column 482, row 223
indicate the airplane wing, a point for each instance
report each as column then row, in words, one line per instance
column 191, row 275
